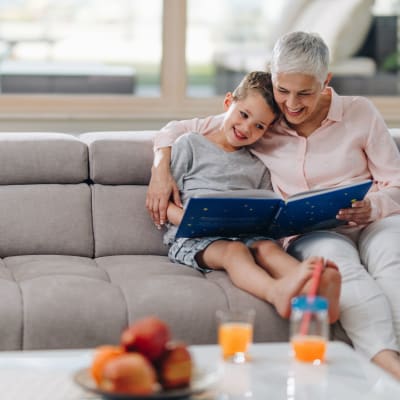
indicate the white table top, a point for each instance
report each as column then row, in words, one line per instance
column 274, row 374
column 271, row 374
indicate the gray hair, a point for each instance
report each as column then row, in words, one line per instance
column 300, row 52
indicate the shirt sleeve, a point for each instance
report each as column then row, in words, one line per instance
column 181, row 160
column 170, row 132
column 266, row 178
column 384, row 165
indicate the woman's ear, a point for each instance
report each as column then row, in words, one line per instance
column 228, row 101
column 328, row 79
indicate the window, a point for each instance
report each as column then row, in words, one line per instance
column 94, row 46
column 178, row 56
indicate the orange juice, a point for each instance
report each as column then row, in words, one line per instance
column 309, row 348
column 234, row 338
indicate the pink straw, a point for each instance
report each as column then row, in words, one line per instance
column 315, row 280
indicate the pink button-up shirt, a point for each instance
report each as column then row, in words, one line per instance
column 352, row 144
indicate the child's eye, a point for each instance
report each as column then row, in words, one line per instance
column 261, row 127
column 243, row 114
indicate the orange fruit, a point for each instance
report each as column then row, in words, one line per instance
column 102, row 355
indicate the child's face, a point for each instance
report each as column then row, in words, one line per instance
column 246, row 120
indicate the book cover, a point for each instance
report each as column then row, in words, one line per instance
column 260, row 212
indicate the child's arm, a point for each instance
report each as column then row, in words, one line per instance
column 174, row 213
column 162, row 185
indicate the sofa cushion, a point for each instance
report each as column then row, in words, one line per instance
column 72, row 312
column 66, row 300
column 120, row 158
column 121, row 223
column 46, row 219
column 42, row 158
column 335, row 22
column 289, row 12
column 185, row 298
column 11, row 313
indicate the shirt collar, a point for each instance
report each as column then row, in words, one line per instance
column 335, row 112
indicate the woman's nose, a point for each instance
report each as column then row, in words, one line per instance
column 292, row 100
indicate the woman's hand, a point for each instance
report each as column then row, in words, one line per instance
column 359, row 213
column 161, row 187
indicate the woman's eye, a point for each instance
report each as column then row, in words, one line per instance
column 261, row 127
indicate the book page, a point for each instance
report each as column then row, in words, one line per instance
column 240, row 194
column 313, row 192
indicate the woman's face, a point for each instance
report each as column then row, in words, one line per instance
column 297, row 95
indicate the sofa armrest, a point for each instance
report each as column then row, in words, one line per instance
column 395, row 132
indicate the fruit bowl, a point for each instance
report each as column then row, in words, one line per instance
column 202, row 380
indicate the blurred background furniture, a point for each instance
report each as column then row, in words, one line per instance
column 67, row 77
column 359, row 43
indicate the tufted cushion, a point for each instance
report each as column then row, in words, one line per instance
column 120, row 158
column 343, row 24
column 290, row 10
column 34, row 157
column 46, row 219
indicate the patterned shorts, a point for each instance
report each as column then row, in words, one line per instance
column 184, row 250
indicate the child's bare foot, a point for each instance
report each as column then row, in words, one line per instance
column 290, row 285
column 329, row 287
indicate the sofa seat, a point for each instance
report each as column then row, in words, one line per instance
column 57, row 301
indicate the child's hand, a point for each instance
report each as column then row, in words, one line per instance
column 358, row 214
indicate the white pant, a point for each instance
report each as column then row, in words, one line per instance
column 370, row 295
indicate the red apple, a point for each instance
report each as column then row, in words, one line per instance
column 175, row 367
column 147, row 336
column 130, row 373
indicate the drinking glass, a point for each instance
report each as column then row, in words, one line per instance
column 235, row 333
column 309, row 328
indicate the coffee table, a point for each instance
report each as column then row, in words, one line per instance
column 272, row 374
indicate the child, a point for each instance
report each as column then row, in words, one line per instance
column 220, row 161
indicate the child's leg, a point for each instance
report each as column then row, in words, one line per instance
column 279, row 264
column 236, row 258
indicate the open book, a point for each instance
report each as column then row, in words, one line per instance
column 254, row 212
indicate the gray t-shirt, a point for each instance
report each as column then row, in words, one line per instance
column 198, row 165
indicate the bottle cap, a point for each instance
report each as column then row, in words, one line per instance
column 306, row 303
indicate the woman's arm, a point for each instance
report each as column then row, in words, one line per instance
column 384, row 166
column 170, row 132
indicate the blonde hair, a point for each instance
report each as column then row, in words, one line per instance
column 259, row 82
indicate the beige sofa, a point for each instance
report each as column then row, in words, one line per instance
column 80, row 258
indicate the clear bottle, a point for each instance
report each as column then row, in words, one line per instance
column 309, row 328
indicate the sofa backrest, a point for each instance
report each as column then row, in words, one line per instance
column 83, row 196
column 120, row 164
column 45, row 202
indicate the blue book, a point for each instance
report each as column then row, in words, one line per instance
column 241, row 213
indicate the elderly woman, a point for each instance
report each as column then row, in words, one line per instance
column 326, row 140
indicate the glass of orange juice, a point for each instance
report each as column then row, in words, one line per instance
column 235, row 333
column 309, row 328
